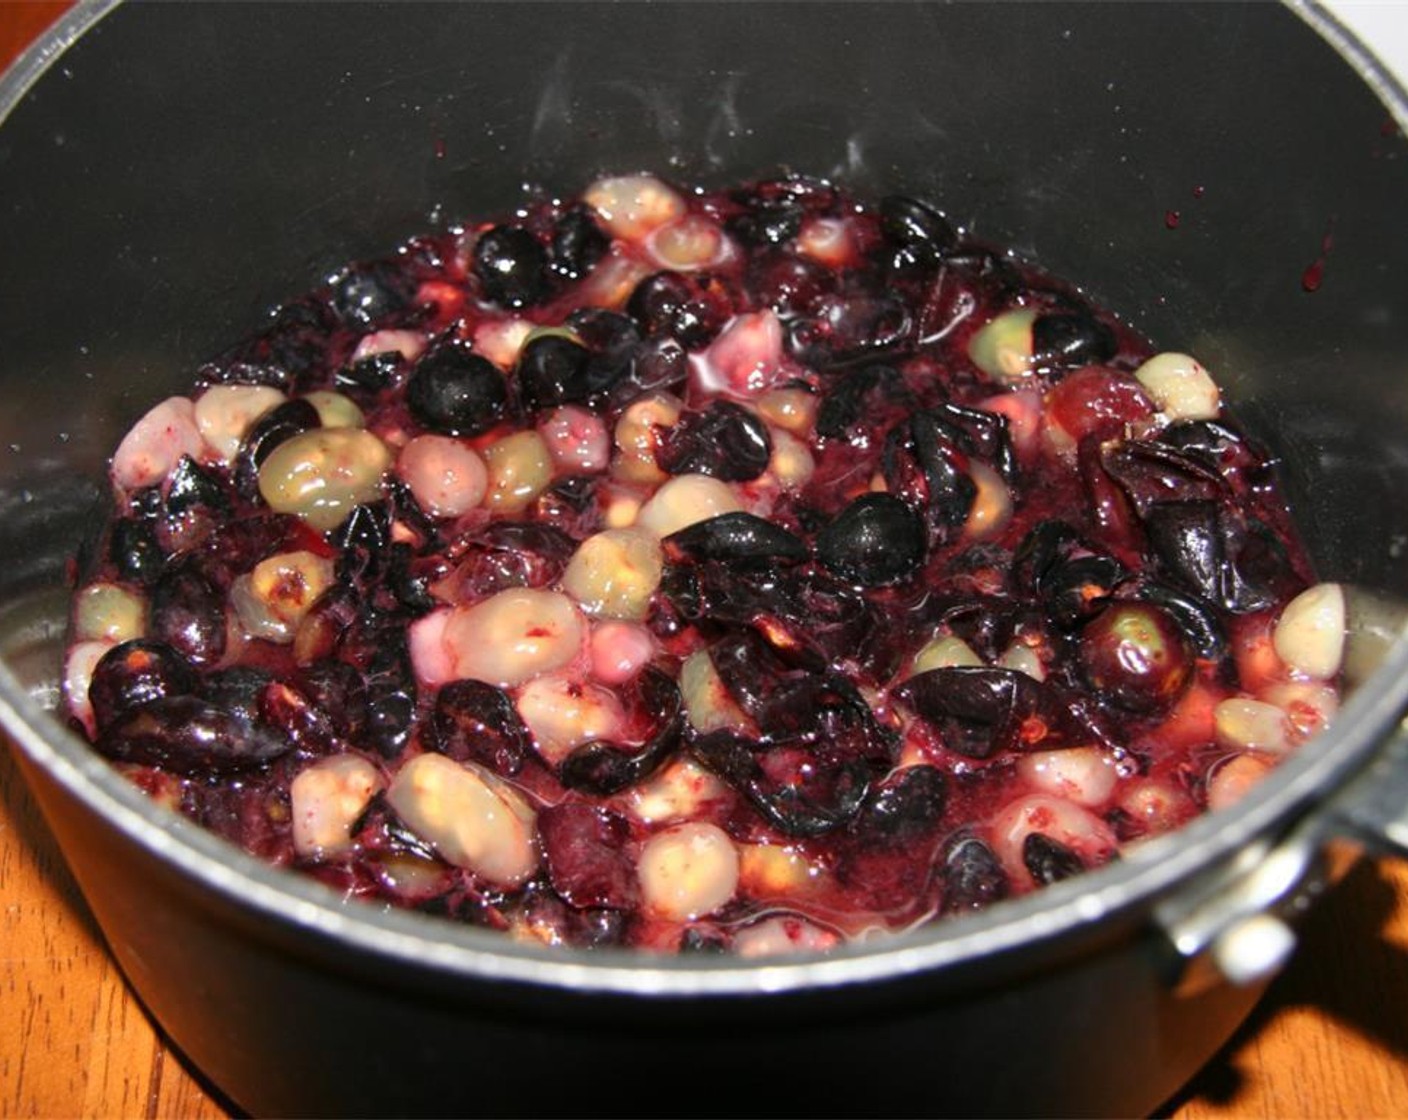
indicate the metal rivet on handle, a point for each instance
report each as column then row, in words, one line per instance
column 1253, row 949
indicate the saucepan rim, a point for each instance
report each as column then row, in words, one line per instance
column 419, row 942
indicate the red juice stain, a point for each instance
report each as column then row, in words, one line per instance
column 1172, row 218
column 1198, row 191
column 439, row 147
column 1314, row 275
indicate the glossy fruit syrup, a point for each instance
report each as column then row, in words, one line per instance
column 741, row 570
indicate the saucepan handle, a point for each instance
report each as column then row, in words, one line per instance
column 1372, row 808
column 1239, row 924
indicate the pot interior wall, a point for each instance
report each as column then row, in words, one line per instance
column 181, row 169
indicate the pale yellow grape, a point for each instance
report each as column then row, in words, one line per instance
column 472, row 818
column 323, row 474
column 109, row 612
column 325, row 800
column 614, row 573
column 687, row 871
column 225, row 413
column 685, row 500
column 513, row 636
column 520, row 468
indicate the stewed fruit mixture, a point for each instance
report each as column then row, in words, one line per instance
column 739, row 570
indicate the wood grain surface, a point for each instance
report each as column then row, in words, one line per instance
column 1329, row 1041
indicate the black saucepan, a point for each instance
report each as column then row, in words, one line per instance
column 168, row 172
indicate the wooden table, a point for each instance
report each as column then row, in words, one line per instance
column 1331, row 1039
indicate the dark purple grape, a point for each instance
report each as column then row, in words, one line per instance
column 725, row 441
column 362, row 541
column 365, row 295
column 591, row 927
column 570, row 506
column 514, row 554
column 134, row 674
column 1261, row 574
column 391, row 708
column 1136, row 655
column 655, row 364
column 670, row 303
column 803, row 607
column 238, row 689
column 147, row 503
column 187, row 735
column 949, row 492
column 797, row 791
column 189, row 615
column 1075, row 590
column 552, row 370
column 621, row 365
column 379, row 829
column 577, row 244
column 1048, row 860
column 826, row 709
column 788, row 284
column 280, row 423
column 1207, row 548
column 249, row 813
column 984, row 434
column 977, row 710
column 855, row 395
column 972, row 876
column 370, row 375
column 603, row 331
column 905, row 808
column 475, row 722
column 605, row 768
column 736, row 538
column 844, row 328
column 195, row 502
column 597, row 928
column 656, row 301
column 813, row 196
column 585, row 847
column 337, row 689
column 456, row 392
column 135, row 552
column 1045, row 546
column 918, row 236
column 769, row 221
column 233, row 547
column 1187, row 536
column 410, row 578
column 512, row 266
column 297, row 719
column 770, row 684
column 288, row 353
column 875, row 541
column 1072, row 339
column 192, row 487
column 1216, row 444
column 1150, row 471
